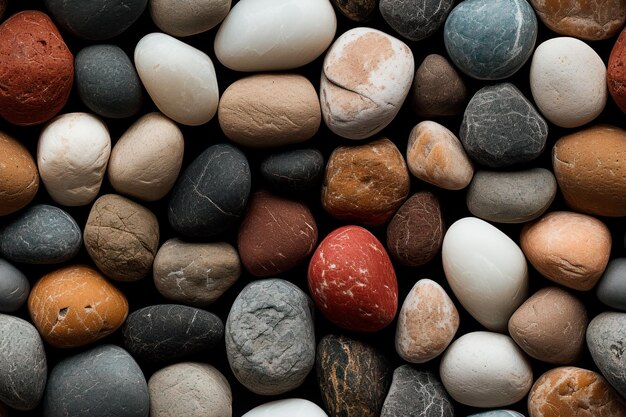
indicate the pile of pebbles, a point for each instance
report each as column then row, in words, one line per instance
column 306, row 208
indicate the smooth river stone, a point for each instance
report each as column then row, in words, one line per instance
column 40, row 235
column 169, row 332
column 113, row 385
column 190, row 389
column 211, row 194
column 550, row 326
column 415, row 233
column 497, row 413
column 490, row 39
column 366, row 76
column 37, row 69
column 179, row 78
column 72, row 155
column 616, row 74
column 486, row 270
column 437, row 90
column 188, row 17
column 146, row 160
column 589, row 169
column 353, row 377
column 484, row 369
column 75, row 305
column 415, row 20
column 14, row 287
column 295, row 173
column 571, row 249
column 415, row 393
column 611, row 289
column 23, row 366
column 352, row 280
column 290, row 407
column 195, row 273
column 570, row 391
column 365, row 183
column 605, row 339
column 434, row 154
column 427, row 323
column 511, row 197
column 357, row 10
column 568, row 82
column 270, row 339
column 19, row 177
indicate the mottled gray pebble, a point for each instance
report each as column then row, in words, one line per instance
column 611, row 289
column 606, row 339
column 14, row 287
column 415, row 19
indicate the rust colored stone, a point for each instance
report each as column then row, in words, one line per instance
column 616, row 72
column 19, row 178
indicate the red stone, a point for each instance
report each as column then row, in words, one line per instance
column 616, row 72
column 352, row 280
column 36, row 69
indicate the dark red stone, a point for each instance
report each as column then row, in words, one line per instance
column 616, row 72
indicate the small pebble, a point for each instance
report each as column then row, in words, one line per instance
column 437, row 90
column 605, row 339
column 290, row 407
column 611, row 289
column 616, row 75
column 14, row 287
column 415, row 20
column 19, row 177
column 294, row 173
column 357, row 10
column 188, row 17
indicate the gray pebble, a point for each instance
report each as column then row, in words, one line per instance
column 438, row 89
column 611, row 289
column 14, row 287
column 606, row 339
column 415, row 19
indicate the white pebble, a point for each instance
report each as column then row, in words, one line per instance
column 292, row 407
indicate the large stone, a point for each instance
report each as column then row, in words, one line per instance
column 19, row 178
column 297, row 173
column 437, row 90
column 188, row 17
column 415, row 20
column 611, row 289
column 605, row 338
column 14, row 287
column 616, row 74
column 357, row 10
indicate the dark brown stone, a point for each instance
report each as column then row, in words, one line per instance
column 357, row 10
column 437, row 90
column 616, row 72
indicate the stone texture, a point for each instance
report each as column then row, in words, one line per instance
column 357, row 10
column 116, row 385
column 415, row 20
column 290, row 407
column 188, row 17
column 295, row 173
column 605, row 339
column 14, row 287
column 611, row 289
column 616, row 74
column 211, row 194
column 270, row 340
column 19, row 178
column 122, row 237
column 415, row 393
column 40, row 235
column 353, row 377
column 415, row 233
column 195, row 273
column 437, row 90
column 497, row 413
column 365, row 183
column 275, row 235
column 75, row 305
column 169, row 332
column 37, row 69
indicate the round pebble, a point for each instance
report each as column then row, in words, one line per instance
column 437, row 90
column 14, row 287
column 357, row 10
column 616, row 75
column 611, row 289
column 19, row 178
column 188, row 17
column 290, row 407
column 415, row 20
column 605, row 339
column 294, row 173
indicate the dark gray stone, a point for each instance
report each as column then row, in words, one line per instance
column 270, row 340
column 501, row 127
column 357, row 10
column 511, row 197
column 23, row 366
column 14, row 287
column 498, row 413
column 107, row 82
column 490, row 39
column 611, row 289
column 41, row 234
column 606, row 339
column 211, row 195
column 102, row 382
column 95, row 19
column 415, row 393
column 437, row 89
column 168, row 332
column 415, row 19
column 294, row 173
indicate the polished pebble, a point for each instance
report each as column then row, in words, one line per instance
column 438, row 90
column 188, row 17
column 290, row 407
column 611, row 289
column 14, row 287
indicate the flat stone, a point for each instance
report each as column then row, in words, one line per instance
column 616, row 75
column 290, row 407
column 437, row 90
column 40, row 235
column 188, row 17
column 501, row 127
column 497, row 413
column 415, row 20
column 294, row 173
column 357, row 10
column 19, row 177
column 605, row 339
column 14, row 287
column 611, row 289
column 415, row 393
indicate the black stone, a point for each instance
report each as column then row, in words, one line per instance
column 294, row 173
column 415, row 19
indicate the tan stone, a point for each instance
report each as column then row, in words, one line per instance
column 19, row 178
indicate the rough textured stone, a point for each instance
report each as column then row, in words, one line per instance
column 357, row 10
column 365, row 183
column 168, row 332
column 188, row 17
column 616, row 74
column 605, row 339
column 19, row 178
column 415, row 20
column 14, row 287
column 501, row 127
column 41, row 234
column 611, row 289
column 211, row 194
column 437, row 90
column 122, row 237
column 116, row 385
column 270, row 340
column 195, row 273
column 353, row 377
column 298, row 172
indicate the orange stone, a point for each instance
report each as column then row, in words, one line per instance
column 616, row 72
column 19, row 178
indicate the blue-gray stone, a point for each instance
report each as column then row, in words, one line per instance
column 606, row 339
column 104, row 381
column 415, row 19
column 211, row 195
column 294, row 173
column 490, row 39
column 501, row 127
column 23, row 366
column 107, row 82
column 41, row 234
column 611, row 289
column 498, row 413
column 14, row 287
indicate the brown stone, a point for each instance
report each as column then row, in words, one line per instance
column 75, row 305
column 36, row 69
column 275, row 235
column 574, row 392
column 616, row 72
column 438, row 89
column 365, row 183
column 19, row 178
column 590, row 168
column 357, row 10
column 569, row 248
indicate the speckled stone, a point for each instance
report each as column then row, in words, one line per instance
column 23, row 366
column 19, row 178
column 211, row 194
column 501, row 127
column 616, row 75
column 416, row 393
column 168, row 332
column 490, row 39
column 605, row 339
column 41, row 234
column 101, row 382
column 270, row 340
column 437, row 90
column 14, row 287
column 295, row 173
column 353, row 377
column 357, row 10
column 415, row 20
column 497, row 413
column 611, row 289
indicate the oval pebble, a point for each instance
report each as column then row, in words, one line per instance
column 290, row 407
column 19, row 177
column 14, row 287
column 357, row 10
column 605, row 339
column 611, row 289
column 415, row 20
column 437, row 90
column 188, row 17
column 295, row 173
column 616, row 75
